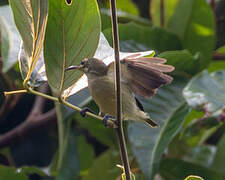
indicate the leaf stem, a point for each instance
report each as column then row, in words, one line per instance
column 120, row 132
column 6, row 93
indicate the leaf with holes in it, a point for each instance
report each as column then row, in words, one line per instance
column 31, row 17
column 72, row 34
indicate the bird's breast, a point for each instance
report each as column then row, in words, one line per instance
column 102, row 90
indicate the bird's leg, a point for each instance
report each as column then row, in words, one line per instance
column 109, row 117
column 84, row 110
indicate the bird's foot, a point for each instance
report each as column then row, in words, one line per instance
column 84, row 110
column 112, row 123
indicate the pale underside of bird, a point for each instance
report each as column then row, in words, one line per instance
column 141, row 76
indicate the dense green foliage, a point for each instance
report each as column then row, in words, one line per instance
column 190, row 111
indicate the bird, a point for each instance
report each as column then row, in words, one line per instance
column 139, row 76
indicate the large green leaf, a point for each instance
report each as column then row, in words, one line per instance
column 31, row 18
column 206, row 90
column 174, row 169
column 183, row 62
column 152, row 37
column 193, row 22
column 10, row 38
column 72, row 34
column 104, row 167
column 168, row 109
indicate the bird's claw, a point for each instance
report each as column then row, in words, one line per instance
column 112, row 123
column 84, row 110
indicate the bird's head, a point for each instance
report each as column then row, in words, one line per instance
column 91, row 66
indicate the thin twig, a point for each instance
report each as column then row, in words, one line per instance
column 120, row 132
column 162, row 13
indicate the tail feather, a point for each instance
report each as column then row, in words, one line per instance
column 151, row 123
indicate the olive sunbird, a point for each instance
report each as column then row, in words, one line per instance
column 141, row 76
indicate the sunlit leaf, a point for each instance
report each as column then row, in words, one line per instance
column 72, row 34
column 191, row 177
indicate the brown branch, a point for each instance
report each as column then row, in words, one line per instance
column 34, row 120
column 218, row 56
column 26, row 127
column 120, row 132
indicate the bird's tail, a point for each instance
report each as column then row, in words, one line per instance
column 151, row 123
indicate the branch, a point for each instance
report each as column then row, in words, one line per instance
column 26, row 127
column 218, row 56
column 34, row 120
column 120, row 132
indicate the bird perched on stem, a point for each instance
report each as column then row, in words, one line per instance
column 141, row 76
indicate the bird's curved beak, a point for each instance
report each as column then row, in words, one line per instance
column 73, row 67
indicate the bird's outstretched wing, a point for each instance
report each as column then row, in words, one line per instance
column 144, row 75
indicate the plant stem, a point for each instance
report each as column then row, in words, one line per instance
column 162, row 14
column 120, row 132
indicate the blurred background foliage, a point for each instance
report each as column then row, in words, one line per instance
column 190, row 34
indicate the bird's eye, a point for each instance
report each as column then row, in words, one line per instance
column 82, row 62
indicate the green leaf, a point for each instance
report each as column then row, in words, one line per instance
column 191, row 177
column 218, row 163
column 104, row 167
column 167, row 108
column 31, row 170
column 183, row 62
column 68, row 162
column 123, row 17
column 174, row 169
column 31, row 18
column 193, row 22
column 169, row 7
column 152, row 37
column 216, row 65
column 10, row 38
column 221, row 49
column 9, row 173
column 206, row 90
column 72, row 34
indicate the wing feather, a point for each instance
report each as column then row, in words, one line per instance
column 144, row 75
